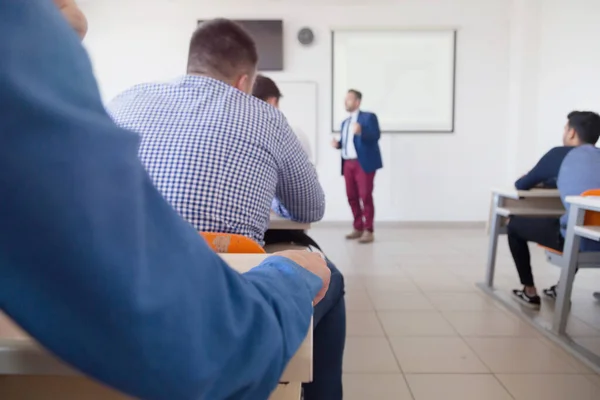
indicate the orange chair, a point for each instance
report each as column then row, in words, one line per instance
column 589, row 260
column 231, row 243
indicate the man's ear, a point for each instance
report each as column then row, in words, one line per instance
column 244, row 83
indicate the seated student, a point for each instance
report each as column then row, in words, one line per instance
column 575, row 167
column 267, row 90
column 220, row 156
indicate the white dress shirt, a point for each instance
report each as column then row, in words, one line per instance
column 348, row 148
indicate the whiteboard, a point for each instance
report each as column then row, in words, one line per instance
column 406, row 77
column 299, row 105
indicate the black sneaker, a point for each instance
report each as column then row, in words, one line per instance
column 550, row 292
column 531, row 302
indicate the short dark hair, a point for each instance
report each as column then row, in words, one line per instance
column 264, row 88
column 221, row 47
column 356, row 94
column 586, row 125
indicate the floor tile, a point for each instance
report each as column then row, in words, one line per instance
column 436, row 355
column 446, row 284
column 550, row 387
column 460, row 301
column 376, row 387
column 415, row 323
column 390, row 301
column 457, row 387
column 488, row 324
column 390, row 284
column 363, row 323
column 369, row 355
column 520, row 355
column 358, row 300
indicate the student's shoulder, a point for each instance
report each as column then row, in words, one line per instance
column 368, row 114
column 136, row 92
column 260, row 113
column 587, row 152
column 559, row 152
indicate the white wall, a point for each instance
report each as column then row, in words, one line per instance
column 555, row 59
column 569, row 65
column 134, row 41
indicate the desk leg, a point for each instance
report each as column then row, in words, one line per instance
column 495, row 222
column 567, row 274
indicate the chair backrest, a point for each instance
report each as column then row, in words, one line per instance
column 231, row 243
column 592, row 218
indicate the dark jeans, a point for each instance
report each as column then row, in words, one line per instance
column 329, row 334
column 543, row 231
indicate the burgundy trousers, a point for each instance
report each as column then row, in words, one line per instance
column 359, row 189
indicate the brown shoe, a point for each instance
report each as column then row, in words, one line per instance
column 367, row 237
column 354, row 235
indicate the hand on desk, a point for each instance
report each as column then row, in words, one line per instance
column 312, row 262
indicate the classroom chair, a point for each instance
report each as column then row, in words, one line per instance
column 584, row 259
column 231, row 243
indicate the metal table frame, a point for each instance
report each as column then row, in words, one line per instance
column 543, row 203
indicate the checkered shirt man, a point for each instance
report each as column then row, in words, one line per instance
column 220, row 156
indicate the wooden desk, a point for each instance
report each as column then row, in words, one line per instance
column 511, row 202
column 28, row 372
column 278, row 223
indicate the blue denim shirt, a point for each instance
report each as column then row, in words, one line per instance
column 97, row 266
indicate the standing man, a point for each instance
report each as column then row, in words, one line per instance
column 361, row 158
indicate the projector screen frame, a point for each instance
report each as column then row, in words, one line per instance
column 336, row 126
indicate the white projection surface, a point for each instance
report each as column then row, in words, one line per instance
column 406, row 77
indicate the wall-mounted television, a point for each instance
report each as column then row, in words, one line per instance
column 268, row 36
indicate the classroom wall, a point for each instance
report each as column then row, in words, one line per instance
column 427, row 177
column 569, row 73
column 555, row 59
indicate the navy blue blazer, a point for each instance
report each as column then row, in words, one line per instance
column 367, row 143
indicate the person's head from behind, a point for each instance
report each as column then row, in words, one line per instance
column 73, row 15
column 266, row 90
column 583, row 127
column 353, row 99
column 223, row 50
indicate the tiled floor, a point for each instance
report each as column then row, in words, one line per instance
column 419, row 329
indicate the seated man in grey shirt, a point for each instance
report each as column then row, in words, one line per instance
column 579, row 172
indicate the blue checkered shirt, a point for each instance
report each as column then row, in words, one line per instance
column 220, row 156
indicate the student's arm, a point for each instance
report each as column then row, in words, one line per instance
column 371, row 132
column 546, row 170
column 279, row 209
column 97, row 266
column 298, row 187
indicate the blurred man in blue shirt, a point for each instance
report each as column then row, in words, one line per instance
column 98, row 267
